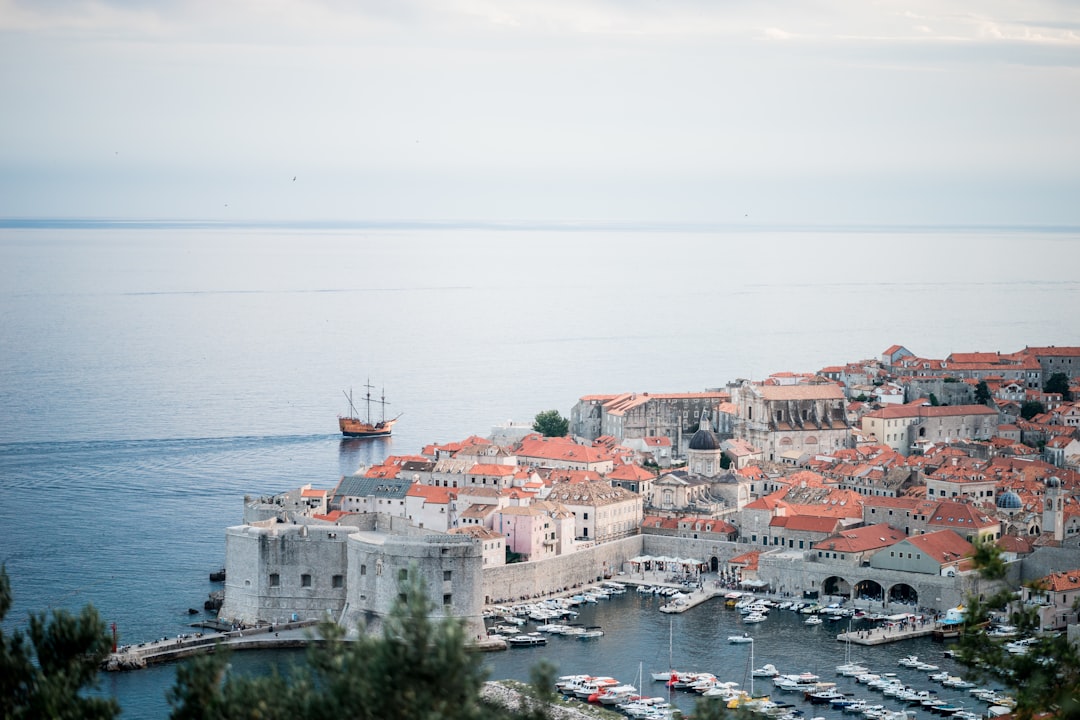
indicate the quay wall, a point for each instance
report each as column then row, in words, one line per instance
column 697, row 548
column 520, row 581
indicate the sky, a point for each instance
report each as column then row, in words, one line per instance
column 713, row 112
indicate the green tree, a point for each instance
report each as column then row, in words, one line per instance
column 414, row 669
column 933, row 400
column 48, row 677
column 550, row 423
column 1031, row 408
column 982, row 393
column 1058, row 383
column 1046, row 679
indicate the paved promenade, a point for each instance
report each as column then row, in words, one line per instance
column 134, row 657
column 888, row 633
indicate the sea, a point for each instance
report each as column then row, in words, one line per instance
column 153, row 374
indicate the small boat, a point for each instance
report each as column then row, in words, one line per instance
column 908, row 661
column 813, row 620
column 768, row 670
column 754, row 617
column 528, row 640
column 352, row 426
column 593, row 631
column 744, row 638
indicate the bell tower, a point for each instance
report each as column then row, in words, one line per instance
column 1054, row 509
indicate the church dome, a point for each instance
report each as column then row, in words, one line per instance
column 1009, row 501
column 704, row 439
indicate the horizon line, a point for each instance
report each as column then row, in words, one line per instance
column 87, row 223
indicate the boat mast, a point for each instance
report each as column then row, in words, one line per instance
column 367, row 399
column 352, row 408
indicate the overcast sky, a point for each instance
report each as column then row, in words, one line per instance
column 668, row 111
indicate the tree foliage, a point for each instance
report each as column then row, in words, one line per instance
column 1046, row 679
column 550, row 423
column 48, row 677
column 1058, row 383
column 414, row 669
column 1031, row 408
column 982, row 393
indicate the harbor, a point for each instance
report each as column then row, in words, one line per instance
column 639, row 639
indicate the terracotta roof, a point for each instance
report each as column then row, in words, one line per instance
column 911, row 411
column 431, row 493
column 748, row 560
column 561, row 449
column 805, row 523
column 312, row 492
column 824, row 391
column 663, row 523
column 872, row 537
column 944, row 546
column 333, row 515
column 1014, row 544
column 492, row 469
column 1061, row 581
column 630, row 472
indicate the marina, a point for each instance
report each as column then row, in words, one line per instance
column 781, row 659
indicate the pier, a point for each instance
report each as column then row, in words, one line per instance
column 287, row 635
column 886, row 634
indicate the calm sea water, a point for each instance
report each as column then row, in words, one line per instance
column 152, row 376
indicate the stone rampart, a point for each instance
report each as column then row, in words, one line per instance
column 696, row 548
column 1046, row 560
column 523, row 581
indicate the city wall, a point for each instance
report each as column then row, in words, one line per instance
column 523, row 581
column 1046, row 560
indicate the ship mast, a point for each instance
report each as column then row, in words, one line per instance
column 381, row 401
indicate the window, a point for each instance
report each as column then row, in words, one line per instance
column 363, row 569
column 403, row 574
column 447, row 599
column 446, row 574
column 305, row 580
column 275, row 580
column 586, row 516
column 337, row 581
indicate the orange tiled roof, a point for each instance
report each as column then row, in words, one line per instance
column 862, row 539
column 431, row 493
column 493, row 469
column 944, row 546
column 630, row 472
column 749, row 560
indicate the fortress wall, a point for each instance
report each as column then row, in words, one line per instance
column 450, row 568
column 254, row 554
column 699, row 549
column 520, row 581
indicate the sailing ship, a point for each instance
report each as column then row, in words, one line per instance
column 352, row 426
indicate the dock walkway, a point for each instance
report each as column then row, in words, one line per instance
column 886, row 634
column 288, row 635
